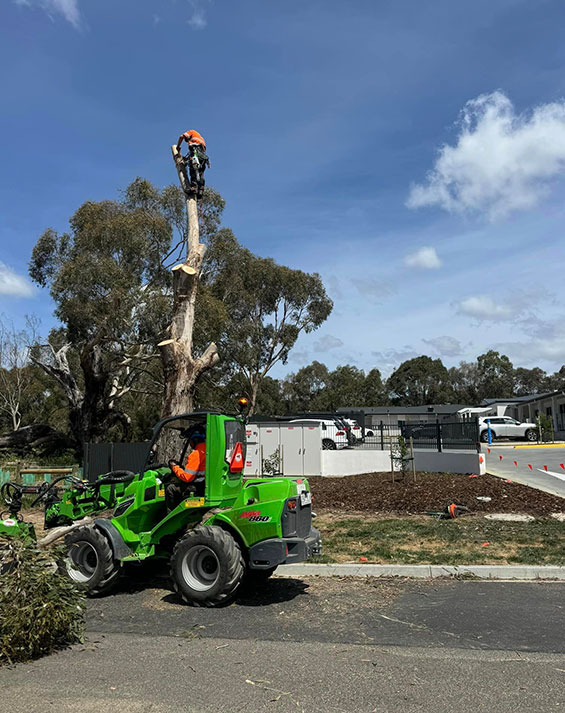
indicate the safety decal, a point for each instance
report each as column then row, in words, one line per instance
column 194, row 502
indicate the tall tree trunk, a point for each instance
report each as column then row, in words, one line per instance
column 254, row 382
column 181, row 369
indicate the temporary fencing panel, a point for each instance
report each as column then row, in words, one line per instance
column 101, row 458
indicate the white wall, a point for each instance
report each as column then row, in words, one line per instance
column 450, row 462
column 352, row 462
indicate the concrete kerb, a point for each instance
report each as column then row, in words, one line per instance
column 424, row 571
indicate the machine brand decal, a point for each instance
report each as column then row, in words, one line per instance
column 9, row 522
column 194, row 502
column 255, row 516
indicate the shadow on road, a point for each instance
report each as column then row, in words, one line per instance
column 155, row 575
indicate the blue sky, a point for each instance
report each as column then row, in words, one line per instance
column 412, row 153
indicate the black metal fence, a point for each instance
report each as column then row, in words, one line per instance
column 101, row 458
column 432, row 435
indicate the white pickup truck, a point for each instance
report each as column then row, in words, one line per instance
column 506, row 427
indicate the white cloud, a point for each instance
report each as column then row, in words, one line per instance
column 198, row 19
column 425, row 258
column 536, row 352
column 502, row 161
column 373, row 288
column 389, row 359
column 13, row 284
column 301, row 356
column 67, row 8
column 445, row 345
column 327, row 342
column 483, row 307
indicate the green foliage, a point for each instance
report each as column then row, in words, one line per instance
column 269, row 306
column 530, row 381
column 420, row 381
column 495, row 375
column 545, row 425
column 305, row 390
column 272, row 464
column 402, row 455
column 41, row 610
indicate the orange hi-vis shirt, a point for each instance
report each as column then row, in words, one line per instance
column 195, row 465
column 193, row 138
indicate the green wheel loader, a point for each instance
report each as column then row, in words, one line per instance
column 224, row 529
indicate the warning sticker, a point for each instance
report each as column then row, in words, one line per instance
column 194, row 502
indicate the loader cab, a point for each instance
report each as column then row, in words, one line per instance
column 225, row 450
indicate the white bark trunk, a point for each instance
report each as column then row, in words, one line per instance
column 181, row 369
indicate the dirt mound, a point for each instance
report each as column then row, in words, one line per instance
column 375, row 492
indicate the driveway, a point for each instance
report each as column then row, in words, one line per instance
column 500, row 461
column 313, row 646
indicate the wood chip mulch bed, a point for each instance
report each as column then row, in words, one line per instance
column 375, row 492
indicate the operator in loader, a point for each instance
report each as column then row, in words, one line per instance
column 191, row 477
column 196, row 159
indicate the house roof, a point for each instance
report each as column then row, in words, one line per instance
column 520, row 399
column 431, row 408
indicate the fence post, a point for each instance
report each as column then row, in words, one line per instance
column 438, row 427
column 382, row 436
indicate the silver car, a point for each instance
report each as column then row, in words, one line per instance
column 506, row 427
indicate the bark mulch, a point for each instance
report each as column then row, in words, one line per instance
column 375, row 492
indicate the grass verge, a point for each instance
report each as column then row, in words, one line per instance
column 424, row 540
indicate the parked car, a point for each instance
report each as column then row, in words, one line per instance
column 506, row 427
column 355, row 430
column 334, row 437
column 421, row 431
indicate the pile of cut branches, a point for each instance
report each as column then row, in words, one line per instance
column 41, row 609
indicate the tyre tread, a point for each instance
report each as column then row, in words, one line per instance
column 110, row 570
column 233, row 552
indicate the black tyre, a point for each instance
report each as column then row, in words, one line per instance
column 207, row 566
column 531, row 435
column 328, row 444
column 484, row 436
column 90, row 560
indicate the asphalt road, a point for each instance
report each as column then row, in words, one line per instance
column 552, row 481
column 311, row 645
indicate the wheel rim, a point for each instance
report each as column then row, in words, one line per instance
column 531, row 436
column 200, row 568
column 82, row 562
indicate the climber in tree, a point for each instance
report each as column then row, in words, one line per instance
column 197, row 160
